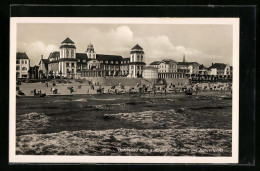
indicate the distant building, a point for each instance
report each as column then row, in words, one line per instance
column 68, row 63
column 203, row 70
column 167, row 68
column 220, row 69
column 150, row 72
column 188, row 68
column 22, row 65
column 137, row 63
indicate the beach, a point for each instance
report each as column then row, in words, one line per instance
column 125, row 124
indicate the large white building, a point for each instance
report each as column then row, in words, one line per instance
column 68, row 63
column 22, row 65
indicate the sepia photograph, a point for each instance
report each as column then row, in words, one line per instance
column 124, row 90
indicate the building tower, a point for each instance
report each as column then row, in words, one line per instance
column 137, row 63
column 67, row 59
column 183, row 57
column 91, row 52
column 67, row 49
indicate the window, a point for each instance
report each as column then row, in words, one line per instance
column 78, row 60
column 72, row 70
column 72, row 53
column 101, row 62
column 25, row 61
column 67, row 64
column 111, row 62
column 22, row 62
column 17, row 61
column 106, row 62
column 17, row 67
column 84, row 60
column 138, row 66
column 116, row 62
column 84, row 66
column 72, row 65
column 24, row 68
column 67, row 53
column 138, row 58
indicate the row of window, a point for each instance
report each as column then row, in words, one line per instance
column 138, row 67
column 23, row 61
column 23, row 68
column 138, row 57
column 68, row 65
column 106, row 62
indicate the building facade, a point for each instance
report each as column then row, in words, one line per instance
column 137, row 63
column 220, row 69
column 167, row 68
column 22, row 65
column 70, row 64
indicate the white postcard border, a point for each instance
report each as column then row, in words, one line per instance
column 13, row 158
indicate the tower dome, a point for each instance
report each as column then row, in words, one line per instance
column 90, row 51
column 90, row 48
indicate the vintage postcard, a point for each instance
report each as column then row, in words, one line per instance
column 124, row 90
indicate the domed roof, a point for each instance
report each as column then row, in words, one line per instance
column 90, row 45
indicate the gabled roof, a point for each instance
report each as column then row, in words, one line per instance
column 108, row 57
column 67, row 40
column 137, row 47
column 54, row 54
column 219, row 66
column 155, row 63
column 20, row 55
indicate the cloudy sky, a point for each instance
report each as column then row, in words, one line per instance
column 201, row 43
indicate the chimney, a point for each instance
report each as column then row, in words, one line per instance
column 212, row 64
column 41, row 56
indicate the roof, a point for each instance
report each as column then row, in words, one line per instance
column 202, row 67
column 68, row 46
column 54, row 54
column 66, row 59
column 187, row 63
column 168, row 61
column 46, row 61
column 155, row 63
column 67, row 40
column 137, row 63
column 108, row 57
column 151, row 68
column 20, row 55
column 219, row 66
column 137, row 47
column 126, row 59
column 81, row 56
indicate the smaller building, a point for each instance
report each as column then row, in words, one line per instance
column 150, row 72
column 220, row 69
column 203, row 70
column 22, row 65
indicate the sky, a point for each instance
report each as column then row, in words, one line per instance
column 205, row 44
